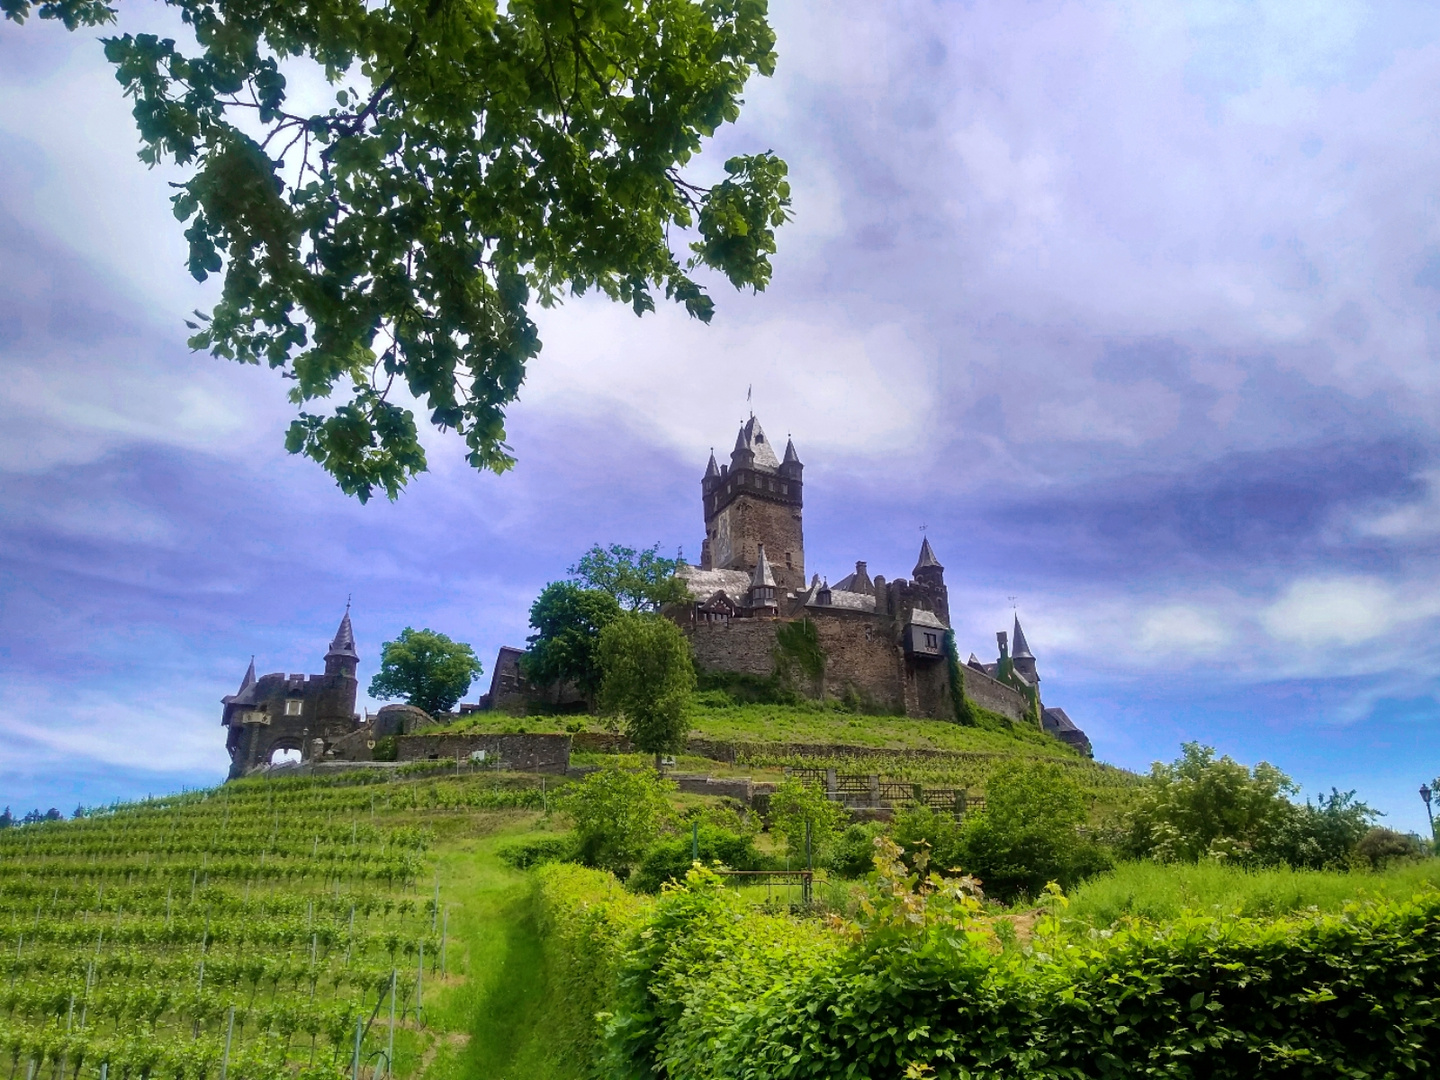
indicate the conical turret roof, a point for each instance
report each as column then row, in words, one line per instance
column 1021, row 646
column 344, row 644
column 762, row 575
column 791, row 457
column 712, row 470
column 927, row 557
column 249, row 680
column 752, row 440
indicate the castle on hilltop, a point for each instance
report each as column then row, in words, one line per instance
column 883, row 642
column 877, row 642
column 311, row 714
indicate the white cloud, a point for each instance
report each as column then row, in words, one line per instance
column 1182, row 628
column 162, row 733
column 1334, row 611
column 837, row 387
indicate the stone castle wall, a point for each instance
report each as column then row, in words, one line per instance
column 996, row 696
column 863, row 655
column 746, row 646
column 521, row 753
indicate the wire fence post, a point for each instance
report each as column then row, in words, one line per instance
column 225, row 1057
column 390, row 1047
column 444, row 932
column 419, row 982
column 359, row 1034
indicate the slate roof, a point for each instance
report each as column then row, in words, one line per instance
column 927, row 557
column 1020, row 648
column 791, row 457
column 854, row 601
column 1063, row 728
column 344, row 644
column 704, row 584
column 752, row 438
column 246, row 694
column 921, row 617
column 762, row 575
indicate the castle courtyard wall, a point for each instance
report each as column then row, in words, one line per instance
column 996, row 696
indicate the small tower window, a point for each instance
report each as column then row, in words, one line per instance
column 294, row 707
column 788, row 564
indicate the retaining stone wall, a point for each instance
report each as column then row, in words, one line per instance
column 522, row 753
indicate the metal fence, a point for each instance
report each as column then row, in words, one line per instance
column 874, row 791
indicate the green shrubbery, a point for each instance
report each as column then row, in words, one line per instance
column 700, row 987
column 617, row 816
column 1203, row 807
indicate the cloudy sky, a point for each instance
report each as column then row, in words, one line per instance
column 1135, row 306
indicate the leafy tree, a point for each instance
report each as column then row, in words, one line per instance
column 427, row 669
column 938, row 832
column 617, row 817
column 649, row 675
column 477, row 157
column 792, row 805
column 1200, row 806
column 1030, row 832
column 1317, row 836
column 640, row 580
column 565, row 646
column 1380, row 847
column 669, row 858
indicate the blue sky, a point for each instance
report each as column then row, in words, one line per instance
column 1135, row 306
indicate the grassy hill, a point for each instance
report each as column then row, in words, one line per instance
column 276, row 915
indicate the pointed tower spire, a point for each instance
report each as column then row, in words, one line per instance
column 712, row 471
column 249, row 679
column 1021, row 647
column 342, row 657
column 763, row 575
column 927, row 558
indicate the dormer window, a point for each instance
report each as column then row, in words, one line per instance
column 931, row 641
column 294, row 707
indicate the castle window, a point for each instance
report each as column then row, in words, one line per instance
column 931, row 642
column 867, row 633
column 784, row 489
column 788, row 564
column 294, row 707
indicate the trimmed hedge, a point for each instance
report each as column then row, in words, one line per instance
column 586, row 917
column 702, row 987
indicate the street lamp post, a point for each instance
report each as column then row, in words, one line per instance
column 1425, row 794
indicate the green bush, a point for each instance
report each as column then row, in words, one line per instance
column 1380, row 847
column 939, row 833
column 853, row 854
column 1203, row 807
column 586, row 919
column 1030, row 833
column 387, row 748
column 707, row 991
column 671, row 857
column 792, row 806
column 535, row 850
column 617, row 816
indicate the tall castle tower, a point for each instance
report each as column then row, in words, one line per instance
column 755, row 500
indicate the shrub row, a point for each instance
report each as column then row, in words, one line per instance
column 699, row 987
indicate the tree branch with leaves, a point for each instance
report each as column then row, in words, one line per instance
column 478, row 158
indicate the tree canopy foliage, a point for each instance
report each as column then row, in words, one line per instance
column 565, row 646
column 1201, row 806
column 477, row 157
column 642, row 580
column 648, row 677
column 617, row 816
column 427, row 669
